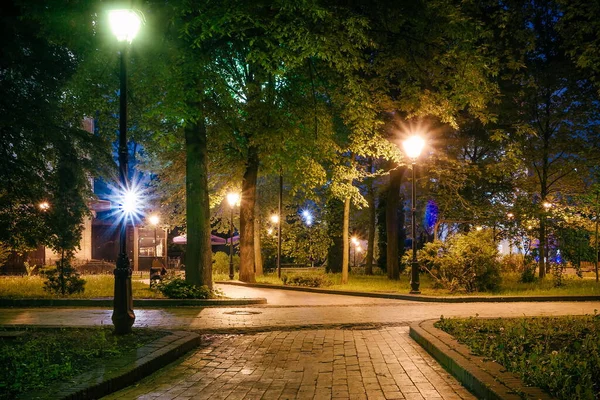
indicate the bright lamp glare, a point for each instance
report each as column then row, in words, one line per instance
column 274, row 218
column 125, row 24
column 233, row 198
column 154, row 219
column 131, row 202
column 354, row 240
column 413, row 146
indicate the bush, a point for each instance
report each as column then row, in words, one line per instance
column 178, row 288
column 63, row 279
column 512, row 262
column 528, row 272
column 220, row 263
column 306, row 280
column 466, row 262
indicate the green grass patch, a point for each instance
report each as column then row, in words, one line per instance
column 96, row 286
column 510, row 285
column 560, row 354
column 43, row 358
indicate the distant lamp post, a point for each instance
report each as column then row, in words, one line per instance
column 355, row 242
column 358, row 250
column 308, row 220
column 413, row 147
column 276, row 219
column 479, row 228
column 125, row 25
column 44, row 206
column 233, row 199
column 154, row 220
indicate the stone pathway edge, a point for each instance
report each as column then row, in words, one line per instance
column 113, row 377
column 138, row 303
column 419, row 297
column 484, row 378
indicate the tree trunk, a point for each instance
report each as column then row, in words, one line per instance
column 198, row 265
column 247, row 217
column 258, row 262
column 392, row 223
column 542, row 247
column 372, row 224
column 335, row 217
column 345, row 238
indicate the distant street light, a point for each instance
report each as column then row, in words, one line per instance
column 308, row 220
column 276, row 219
column 154, row 220
column 44, row 206
column 413, row 147
column 125, row 25
column 356, row 244
column 233, row 199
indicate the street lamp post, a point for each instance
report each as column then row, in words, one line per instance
column 154, row 222
column 413, row 147
column 125, row 25
column 308, row 219
column 355, row 243
column 277, row 220
column 232, row 198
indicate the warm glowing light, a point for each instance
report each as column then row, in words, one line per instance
column 270, row 231
column 124, row 24
column 413, row 146
column 44, row 205
column 275, row 218
column 510, row 215
column 358, row 249
column 154, row 220
column 547, row 205
column 479, row 228
column 354, row 240
column 529, row 227
column 233, row 198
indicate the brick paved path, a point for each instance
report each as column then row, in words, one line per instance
column 321, row 364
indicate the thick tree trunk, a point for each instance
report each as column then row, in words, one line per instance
column 346, row 240
column 392, row 223
column 372, row 224
column 198, row 265
column 258, row 262
column 247, row 217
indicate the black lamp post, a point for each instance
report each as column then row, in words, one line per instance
column 125, row 25
column 232, row 199
column 413, row 147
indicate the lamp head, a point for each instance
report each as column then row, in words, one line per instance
column 130, row 202
column 275, row 218
column 413, row 146
column 233, row 198
column 154, row 219
column 125, row 24
column 44, row 206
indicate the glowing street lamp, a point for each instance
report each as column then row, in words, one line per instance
column 232, row 199
column 154, row 220
column 125, row 25
column 308, row 220
column 356, row 244
column 44, row 206
column 277, row 220
column 413, row 147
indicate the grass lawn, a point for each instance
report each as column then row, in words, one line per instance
column 560, row 354
column 96, row 286
column 510, row 285
column 42, row 358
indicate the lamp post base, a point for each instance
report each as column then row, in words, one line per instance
column 414, row 281
column 123, row 316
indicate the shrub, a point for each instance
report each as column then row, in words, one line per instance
column 306, row 280
column 466, row 262
column 528, row 272
column 63, row 279
column 512, row 262
column 178, row 288
column 220, row 263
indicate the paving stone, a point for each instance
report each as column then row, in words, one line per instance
column 276, row 365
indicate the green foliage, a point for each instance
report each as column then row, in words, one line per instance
column 63, row 279
column 41, row 359
column 306, row 280
column 178, row 288
column 560, row 355
column 528, row 271
column 220, row 263
column 466, row 262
